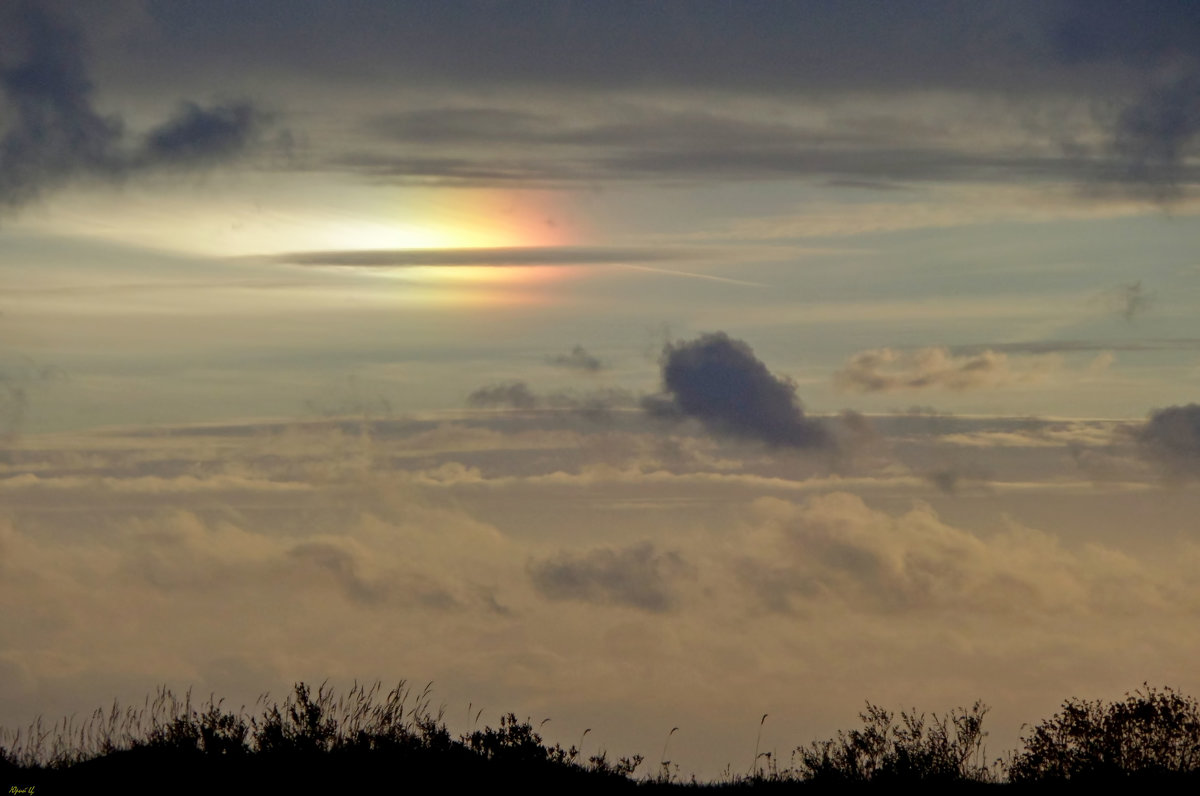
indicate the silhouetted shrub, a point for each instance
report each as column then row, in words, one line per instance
column 1151, row 733
column 943, row 749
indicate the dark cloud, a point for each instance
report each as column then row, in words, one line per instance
column 806, row 46
column 720, row 382
column 1094, row 31
column 1170, row 438
column 198, row 136
column 884, row 163
column 578, row 359
column 509, row 395
column 1041, row 57
column 52, row 134
column 638, row 576
column 954, row 478
column 1158, row 132
column 529, row 256
column 51, row 131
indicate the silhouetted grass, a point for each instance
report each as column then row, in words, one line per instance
column 320, row 742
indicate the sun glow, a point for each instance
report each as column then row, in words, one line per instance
column 306, row 214
column 451, row 219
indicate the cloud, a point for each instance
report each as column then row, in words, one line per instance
column 720, row 382
column 1128, row 300
column 836, row 549
column 952, row 478
column 595, row 405
column 14, row 400
column 509, row 394
column 1120, row 304
column 198, row 136
column 579, row 359
column 638, row 576
column 515, row 255
column 341, row 564
column 53, row 135
column 888, row 370
column 1170, row 438
column 1156, row 134
column 18, row 376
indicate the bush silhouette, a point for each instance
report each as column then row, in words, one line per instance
column 314, row 740
column 1150, row 733
column 941, row 749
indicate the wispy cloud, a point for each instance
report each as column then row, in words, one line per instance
column 503, row 256
column 890, row 370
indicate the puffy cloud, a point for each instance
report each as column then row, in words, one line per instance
column 1170, row 438
column 888, row 369
column 720, row 382
column 836, row 549
column 638, row 576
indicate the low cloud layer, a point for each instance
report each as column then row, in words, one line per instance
column 585, row 569
column 720, row 382
column 889, row 370
column 836, row 549
column 52, row 134
column 638, row 576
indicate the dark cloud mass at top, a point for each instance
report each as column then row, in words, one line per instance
column 720, row 382
column 51, row 132
column 1157, row 133
column 1138, row 63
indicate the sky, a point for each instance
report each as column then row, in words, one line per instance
column 631, row 365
